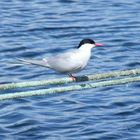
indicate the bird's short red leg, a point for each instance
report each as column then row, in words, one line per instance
column 73, row 77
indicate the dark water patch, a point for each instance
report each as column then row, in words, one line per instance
column 129, row 44
column 54, row 28
column 133, row 64
column 16, row 49
column 67, row 1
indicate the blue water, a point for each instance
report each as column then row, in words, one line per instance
column 36, row 28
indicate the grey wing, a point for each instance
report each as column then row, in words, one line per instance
column 65, row 63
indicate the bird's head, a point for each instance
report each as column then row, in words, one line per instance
column 88, row 43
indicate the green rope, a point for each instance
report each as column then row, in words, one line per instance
column 69, row 80
column 68, row 88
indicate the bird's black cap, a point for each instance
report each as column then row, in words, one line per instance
column 85, row 41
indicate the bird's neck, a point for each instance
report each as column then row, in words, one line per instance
column 86, row 47
column 85, row 52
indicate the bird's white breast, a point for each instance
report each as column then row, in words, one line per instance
column 84, row 56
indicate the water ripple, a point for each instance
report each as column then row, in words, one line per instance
column 34, row 29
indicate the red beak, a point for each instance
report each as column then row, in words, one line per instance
column 99, row 44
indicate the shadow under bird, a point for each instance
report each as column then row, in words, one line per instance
column 68, row 62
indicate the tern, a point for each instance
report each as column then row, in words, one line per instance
column 68, row 62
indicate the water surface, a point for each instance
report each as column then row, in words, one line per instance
column 34, row 29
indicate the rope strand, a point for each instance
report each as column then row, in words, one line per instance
column 60, row 81
column 68, row 88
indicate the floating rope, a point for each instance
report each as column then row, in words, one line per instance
column 68, row 88
column 69, row 80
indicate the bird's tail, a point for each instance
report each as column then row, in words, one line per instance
column 42, row 63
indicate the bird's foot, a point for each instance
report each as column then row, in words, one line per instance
column 73, row 77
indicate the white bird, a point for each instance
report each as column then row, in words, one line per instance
column 68, row 62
